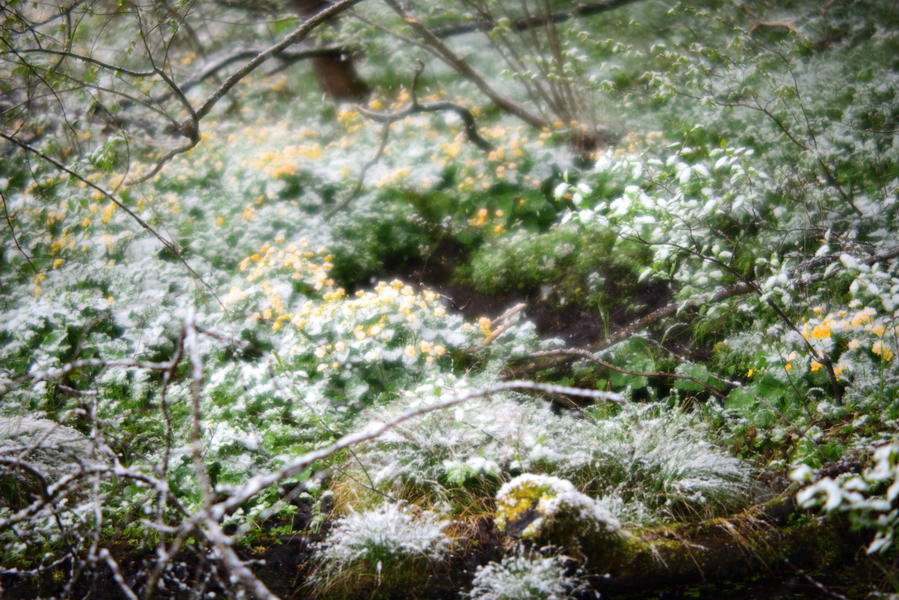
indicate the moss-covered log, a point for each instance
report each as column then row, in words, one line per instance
column 750, row 545
column 761, row 540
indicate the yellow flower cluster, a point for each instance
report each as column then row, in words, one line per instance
column 814, row 366
column 372, row 317
column 482, row 217
column 343, row 329
column 393, row 177
column 297, row 257
column 397, row 296
column 860, row 325
column 484, row 324
column 298, row 262
column 285, row 161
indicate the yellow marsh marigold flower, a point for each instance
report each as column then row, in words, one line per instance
column 821, row 331
column 484, row 324
column 882, row 350
column 862, row 317
column 108, row 211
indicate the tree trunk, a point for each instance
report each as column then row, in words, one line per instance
column 336, row 71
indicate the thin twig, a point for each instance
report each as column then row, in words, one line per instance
column 12, row 231
column 190, row 128
column 360, row 181
column 447, row 55
column 170, row 245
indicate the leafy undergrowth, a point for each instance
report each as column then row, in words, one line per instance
column 746, row 225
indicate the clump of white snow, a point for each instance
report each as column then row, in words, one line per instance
column 525, row 576
column 384, row 536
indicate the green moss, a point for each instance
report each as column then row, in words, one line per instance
column 524, row 497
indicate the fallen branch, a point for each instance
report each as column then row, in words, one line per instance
column 583, row 353
column 533, row 362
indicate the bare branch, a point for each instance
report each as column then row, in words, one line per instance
column 471, row 128
column 117, row 574
column 385, row 135
column 583, row 353
column 523, row 24
column 191, row 345
column 445, row 53
column 237, row 568
column 190, row 128
column 388, row 119
column 12, row 231
column 295, row 36
column 375, row 430
column 88, row 59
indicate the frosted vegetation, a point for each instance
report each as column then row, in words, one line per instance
column 647, row 463
column 745, row 208
column 523, row 575
column 387, row 541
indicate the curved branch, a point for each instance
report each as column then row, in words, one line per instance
column 295, row 36
column 12, row 231
column 446, row 54
column 82, row 58
column 191, row 127
column 471, row 127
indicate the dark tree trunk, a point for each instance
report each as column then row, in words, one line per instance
column 336, row 71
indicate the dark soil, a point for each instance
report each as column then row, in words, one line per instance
column 283, row 565
column 576, row 324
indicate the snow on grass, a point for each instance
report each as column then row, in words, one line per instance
column 525, row 576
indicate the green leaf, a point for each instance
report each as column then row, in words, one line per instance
column 700, row 372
